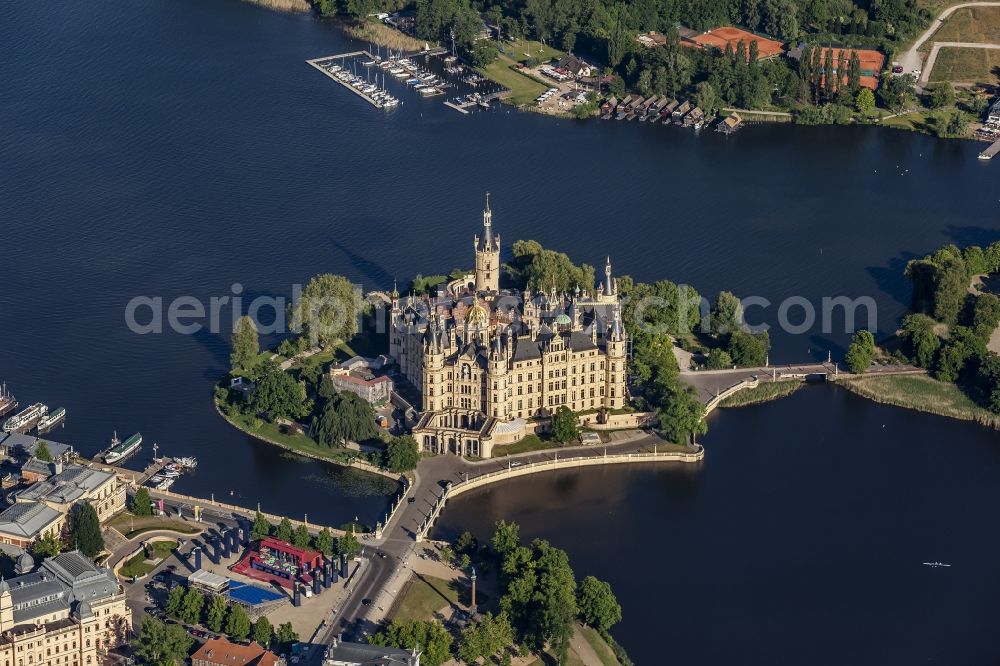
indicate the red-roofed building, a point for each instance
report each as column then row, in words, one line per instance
column 220, row 652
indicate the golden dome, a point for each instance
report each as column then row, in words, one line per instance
column 477, row 315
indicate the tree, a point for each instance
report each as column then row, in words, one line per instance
column 215, row 615
column 920, row 342
column 285, row 636
column 895, row 90
column 284, row 531
column 348, row 544
column 432, row 637
column 682, row 415
column 598, row 606
column 301, row 537
column 506, row 538
column 749, row 349
column 42, row 451
column 485, row 638
column 345, row 418
column 279, row 395
column 237, row 623
column 246, row 346
column 262, row 631
column 324, row 541
column 191, row 606
column 718, row 359
column 727, row 315
column 85, row 534
column 466, row 543
column 860, row 352
column 865, row 101
column 985, row 314
column 327, row 310
column 142, row 505
column 47, row 545
column 707, row 98
column 261, row 527
column 401, row 454
column 160, row 644
column 175, row 601
column 942, row 95
column 564, row 425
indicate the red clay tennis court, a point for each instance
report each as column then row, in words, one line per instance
column 871, row 64
column 721, row 37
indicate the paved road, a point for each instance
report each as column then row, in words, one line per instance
column 911, row 59
column 709, row 383
column 398, row 537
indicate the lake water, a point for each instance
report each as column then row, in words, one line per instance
column 182, row 147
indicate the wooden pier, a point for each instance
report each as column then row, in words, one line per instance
column 315, row 62
column 991, row 151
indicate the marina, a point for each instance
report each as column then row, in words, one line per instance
column 342, row 68
column 992, row 150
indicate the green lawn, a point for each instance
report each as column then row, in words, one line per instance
column 523, row 49
column 923, row 394
column 916, row 121
column 137, row 564
column 132, row 526
column 603, row 650
column 764, row 392
column 967, row 65
column 529, row 443
column 295, row 442
column 423, row 596
column 523, row 89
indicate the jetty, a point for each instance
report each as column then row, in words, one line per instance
column 991, row 151
column 323, row 63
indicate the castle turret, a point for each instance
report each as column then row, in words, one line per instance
column 487, row 248
column 614, row 396
column 6, row 606
column 498, row 380
column 433, row 368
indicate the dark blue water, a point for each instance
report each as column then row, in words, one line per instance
column 178, row 148
column 799, row 540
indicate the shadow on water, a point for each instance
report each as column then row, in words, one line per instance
column 969, row 235
column 370, row 269
column 890, row 278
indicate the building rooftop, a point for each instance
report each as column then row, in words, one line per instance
column 221, row 651
column 16, row 442
column 63, row 582
column 28, row 519
column 69, row 485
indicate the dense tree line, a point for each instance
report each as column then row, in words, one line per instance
column 952, row 323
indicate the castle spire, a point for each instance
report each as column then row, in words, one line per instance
column 609, row 285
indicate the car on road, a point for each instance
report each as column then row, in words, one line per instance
column 411, row 500
column 366, row 602
column 380, row 554
column 516, row 463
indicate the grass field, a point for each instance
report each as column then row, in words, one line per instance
column 970, row 65
column 969, row 24
column 424, row 595
column 298, row 443
column 132, row 526
column 923, row 394
column 529, row 443
column 137, row 565
column 761, row 393
column 916, row 121
column 603, row 650
column 524, row 89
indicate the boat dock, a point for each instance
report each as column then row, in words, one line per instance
column 991, row 151
column 319, row 63
column 461, row 108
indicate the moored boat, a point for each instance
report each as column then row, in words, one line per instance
column 120, row 450
column 8, row 402
column 53, row 418
column 25, row 418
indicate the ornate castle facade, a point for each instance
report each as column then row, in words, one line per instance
column 490, row 363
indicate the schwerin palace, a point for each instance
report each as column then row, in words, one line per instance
column 492, row 364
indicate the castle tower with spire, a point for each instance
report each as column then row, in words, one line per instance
column 490, row 365
column 487, row 254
